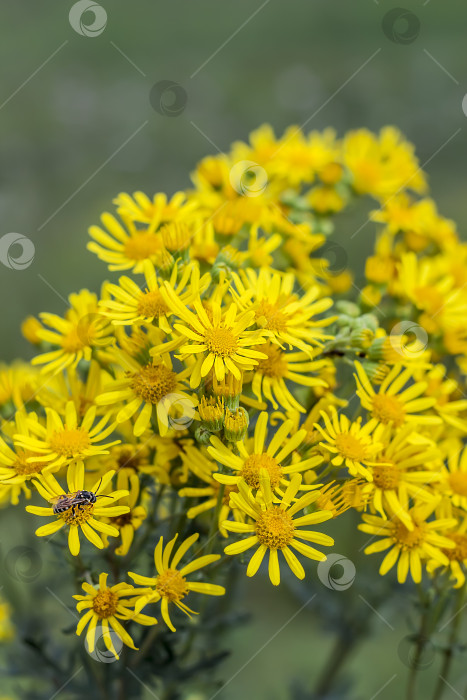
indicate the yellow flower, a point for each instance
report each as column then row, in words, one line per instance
column 125, row 247
column 106, row 606
column 89, row 517
column 76, row 335
column 457, row 557
column 129, row 522
column 287, row 316
column 156, row 211
column 253, row 456
column 152, row 386
column 17, row 465
column 381, row 166
column 454, row 477
column 171, row 585
column 351, row 444
column 409, row 548
column 223, row 342
column 270, row 376
column 58, row 443
column 401, row 472
column 274, row 528
column 29, row 329
column 428, row 285
column 392, row 403
column 132, row 304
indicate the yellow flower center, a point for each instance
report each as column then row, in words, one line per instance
column 105, row 603
column 151, row 304
column 350, row 447
column 153, row 382
column 80, row 515
column 275, row 365
column 408, row 539
column 142, row 246
column 275, row 528
column 74, row 341
column 171, row 585
column 70, row 442
column 388, row 408
column 459, row 553
column 458, row 483
column 269, row 316
column 386, row 476
column 252, row 466
column 24, row 468
column 221, row 341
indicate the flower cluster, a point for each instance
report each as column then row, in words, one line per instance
column 232, row 387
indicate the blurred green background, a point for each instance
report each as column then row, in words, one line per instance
column 77, row 128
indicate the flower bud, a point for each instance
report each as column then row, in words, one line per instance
column 211, row 411
column 236, row 424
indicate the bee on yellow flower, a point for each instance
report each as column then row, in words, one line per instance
column 90, row 518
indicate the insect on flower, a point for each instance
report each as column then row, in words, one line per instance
column 78, row 499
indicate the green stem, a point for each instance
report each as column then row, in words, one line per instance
column 421, row 639
column 450, row 647
column 214, row 529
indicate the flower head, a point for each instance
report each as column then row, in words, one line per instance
column 272, row 528
column 171, row 585
column 89, row 517
column 105, row 606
